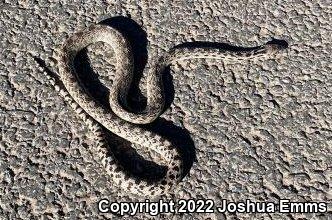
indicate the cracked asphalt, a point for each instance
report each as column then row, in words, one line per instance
column 261, row 129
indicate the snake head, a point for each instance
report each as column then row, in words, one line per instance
column 275, row 45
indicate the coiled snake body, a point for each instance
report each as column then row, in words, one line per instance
column 122, row 122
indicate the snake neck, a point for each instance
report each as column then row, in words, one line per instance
column 178, row 54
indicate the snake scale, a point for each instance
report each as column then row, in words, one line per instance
column 120, row 120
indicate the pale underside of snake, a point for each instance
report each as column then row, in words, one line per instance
column 120, row 120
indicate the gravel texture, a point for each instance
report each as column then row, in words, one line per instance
column 258, row 130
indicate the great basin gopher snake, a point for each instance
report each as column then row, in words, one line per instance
column 122, row 122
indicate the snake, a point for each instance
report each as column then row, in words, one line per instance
column 119, row 119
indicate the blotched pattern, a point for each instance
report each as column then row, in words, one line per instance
column 94, row 113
